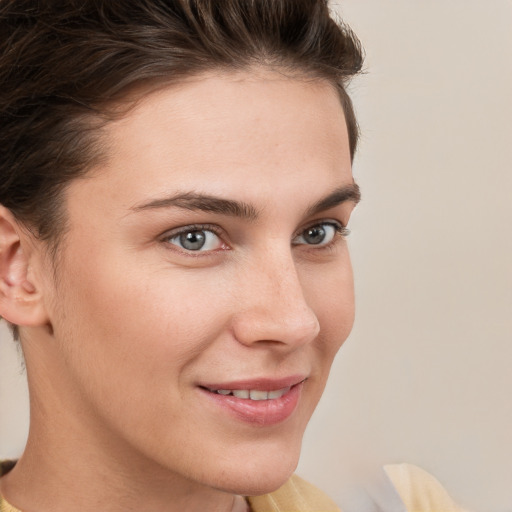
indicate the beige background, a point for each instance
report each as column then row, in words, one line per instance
column 425, row 376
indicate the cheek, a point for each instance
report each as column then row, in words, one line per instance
column 332, row 299
column 135, row 343
column 126, row 325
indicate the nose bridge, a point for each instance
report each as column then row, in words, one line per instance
column 276, row 308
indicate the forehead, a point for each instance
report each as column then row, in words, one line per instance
column 220, row 129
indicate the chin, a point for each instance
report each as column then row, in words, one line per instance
column 264, row 485
column 260, row 475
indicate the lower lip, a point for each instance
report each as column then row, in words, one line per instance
column 259, row 412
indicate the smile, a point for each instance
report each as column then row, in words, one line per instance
column 252, row 394
column 259, row 402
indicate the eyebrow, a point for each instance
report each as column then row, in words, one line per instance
column 208, row 203
column 205, row 203
column 340, row 195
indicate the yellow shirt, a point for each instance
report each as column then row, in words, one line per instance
column 419, row 491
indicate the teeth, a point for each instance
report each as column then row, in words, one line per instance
column 253, row 394
column 258, row 395
column 241, row 393
column 279, row 393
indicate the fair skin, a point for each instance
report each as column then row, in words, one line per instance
column 243, row 282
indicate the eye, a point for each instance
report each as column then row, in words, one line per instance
column 320, row 234
column 196, row 239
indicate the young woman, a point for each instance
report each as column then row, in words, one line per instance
column 175, row 194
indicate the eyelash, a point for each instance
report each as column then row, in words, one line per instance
column 341, row 232
column 194, row 228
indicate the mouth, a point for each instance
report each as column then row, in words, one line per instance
column 252, row 394
column 261, row 403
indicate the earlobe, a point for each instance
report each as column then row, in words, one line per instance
column 20, row 299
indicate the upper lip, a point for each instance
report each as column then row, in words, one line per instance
column 262, row 384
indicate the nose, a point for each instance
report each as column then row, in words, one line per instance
column 272, row 307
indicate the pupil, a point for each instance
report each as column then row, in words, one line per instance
column 193, row 240
column 315, row 235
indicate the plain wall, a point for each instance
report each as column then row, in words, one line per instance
column 424, row 377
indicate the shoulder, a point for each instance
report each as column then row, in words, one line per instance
column 419, row 490
column 296, row 495
column 5, row 467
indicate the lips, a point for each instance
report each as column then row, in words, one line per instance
column 259, row 402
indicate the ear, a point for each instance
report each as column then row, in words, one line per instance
column 20, row 299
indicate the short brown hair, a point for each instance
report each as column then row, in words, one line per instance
column 63, row 62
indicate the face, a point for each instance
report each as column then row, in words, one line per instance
column 205, row 284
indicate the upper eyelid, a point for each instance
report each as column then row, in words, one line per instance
column 220, row 231
column 319, row 222
column 172, row 233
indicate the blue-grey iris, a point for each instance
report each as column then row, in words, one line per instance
column 314, row 235
column 193, row 240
